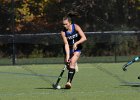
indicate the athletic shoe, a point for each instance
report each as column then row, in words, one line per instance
column 68, row 85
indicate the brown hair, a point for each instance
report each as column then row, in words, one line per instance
column 67, row 18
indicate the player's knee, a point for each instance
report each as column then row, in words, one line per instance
column 72, row 65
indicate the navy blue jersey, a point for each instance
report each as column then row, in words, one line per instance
column 72, row 37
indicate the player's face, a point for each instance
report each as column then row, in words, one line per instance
column 66, row 24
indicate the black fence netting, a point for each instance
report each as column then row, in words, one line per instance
column 42, row 48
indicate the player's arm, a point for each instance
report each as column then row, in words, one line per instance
column 81, row 33
column 67, row 49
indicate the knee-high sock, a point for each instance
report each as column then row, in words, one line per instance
column 71, row 74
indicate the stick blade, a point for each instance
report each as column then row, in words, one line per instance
column 124, row 67
column 139, row 77
column 54, row 86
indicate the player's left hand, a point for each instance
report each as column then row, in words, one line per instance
column 74, row 46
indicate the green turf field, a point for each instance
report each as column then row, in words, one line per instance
column 99, row 81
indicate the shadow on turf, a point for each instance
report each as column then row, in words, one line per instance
column 125, row 83
column 131, row 84
column 28, row 74
column 50, row 88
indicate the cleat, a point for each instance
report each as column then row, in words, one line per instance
column 68, row 85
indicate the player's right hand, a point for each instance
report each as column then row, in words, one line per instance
column 67, row 62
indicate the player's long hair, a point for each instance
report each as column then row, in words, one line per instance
column 71, row 16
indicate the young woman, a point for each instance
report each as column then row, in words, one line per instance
column 73, row 37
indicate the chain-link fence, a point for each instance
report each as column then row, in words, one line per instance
column 41, row 48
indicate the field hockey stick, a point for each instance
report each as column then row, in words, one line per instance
column 129, row 63
column 59, row 78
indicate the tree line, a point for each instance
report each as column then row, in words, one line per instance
column 45, row 16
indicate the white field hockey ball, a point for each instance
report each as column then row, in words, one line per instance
column 58, row 87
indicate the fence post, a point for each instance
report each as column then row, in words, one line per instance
column 13, row 32
column 115, row 48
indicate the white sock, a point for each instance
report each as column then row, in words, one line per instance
column 76, row 67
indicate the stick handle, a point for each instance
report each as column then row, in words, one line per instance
column 60, row 76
